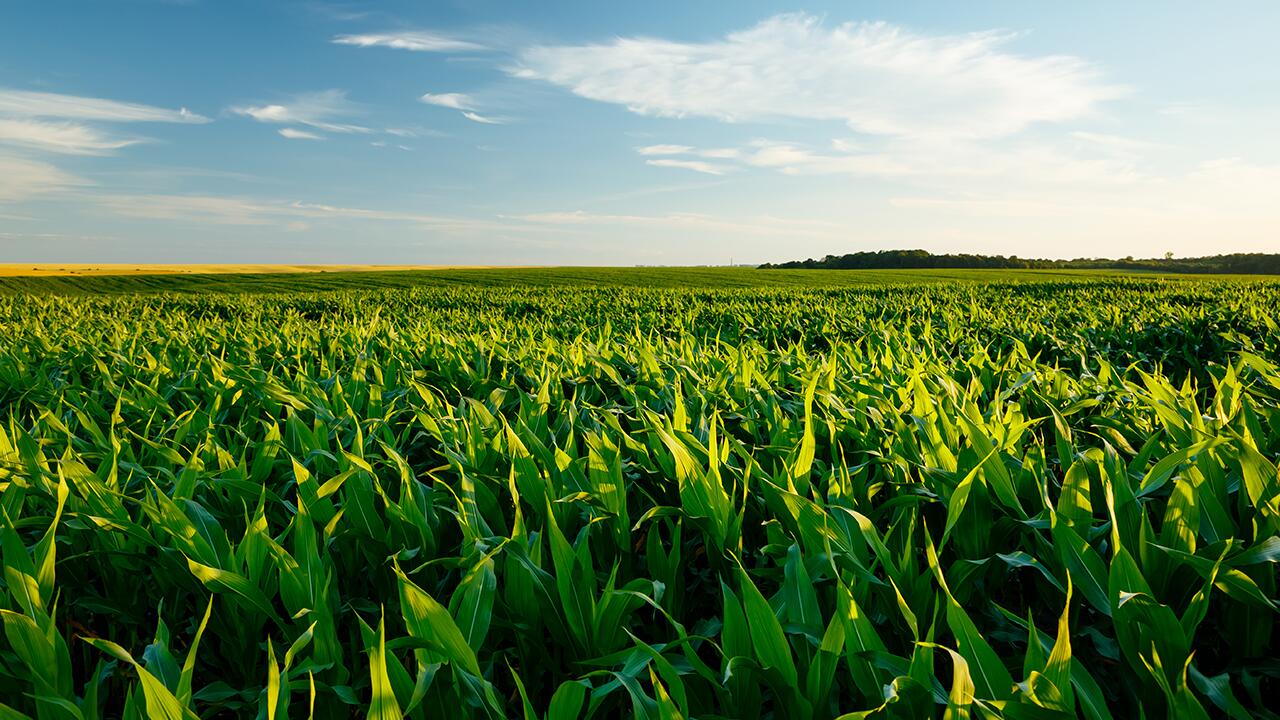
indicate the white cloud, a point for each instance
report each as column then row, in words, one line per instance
column 417, row 41
column 665, row 149
column 23, row 178
column 695, row 165
column 483, row 119
column 457, row 101
column 59, row 137
column 27, row 104
column 876, row 77
column 930, row 161
column 463, row 103
column 319, row 110
column 54, row 123
column 195, row 208
column 296, row 134
column 713, row 153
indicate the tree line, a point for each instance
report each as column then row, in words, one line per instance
column 1236, row 263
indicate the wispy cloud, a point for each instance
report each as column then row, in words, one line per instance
column 483, row 119
column 23, row 178
column 296, row 134
column 56, row 123
column 876, row 77
column 319, row 110
column 463, row 103
column 665, row 149
column 457, row 101
column 59, row 137
column 28, row 104
column 719, row 153
column 695, row 165
column 415, row 40
column 711, row 153
column 932, row 161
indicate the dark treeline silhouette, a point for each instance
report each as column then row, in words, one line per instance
column 1241, row 263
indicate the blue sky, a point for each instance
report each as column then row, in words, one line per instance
column 633, row 133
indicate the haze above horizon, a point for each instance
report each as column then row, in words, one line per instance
column 189, row 131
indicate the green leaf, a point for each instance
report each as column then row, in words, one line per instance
column 160, row 702
column 189, row 663
column 382, row 699
column 1058, row 668
column 430, row 622
column 991, row 678
column 1083, row 564
column 767, row 637
column 234, row 583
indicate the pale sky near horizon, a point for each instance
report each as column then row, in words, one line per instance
column 596, row 133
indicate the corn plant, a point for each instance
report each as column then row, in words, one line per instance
column 1041, row 499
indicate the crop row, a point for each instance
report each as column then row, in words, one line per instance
column 1006, row 500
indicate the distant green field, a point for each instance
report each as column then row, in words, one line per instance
column 690, row 277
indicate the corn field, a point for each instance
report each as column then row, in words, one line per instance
column 964, row 500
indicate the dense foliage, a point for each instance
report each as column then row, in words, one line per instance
column 1027, row 500
column 1237, row 263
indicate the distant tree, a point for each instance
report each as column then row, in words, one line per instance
column 1238, row 263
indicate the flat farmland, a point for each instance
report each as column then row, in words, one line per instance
column 319, row 278
column 642, row 492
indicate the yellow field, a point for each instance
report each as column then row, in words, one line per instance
column 48, row 269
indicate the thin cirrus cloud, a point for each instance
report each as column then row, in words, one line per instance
column 296, row 134
column 695, row 165
column 455, row 101
column 25, row 103
column 933, row 161
column 56, row 123
column 23, row 178
column 665, row 149
column 318, row 110
column 464, row 104
column 65, row 138
column 483, row 119
column 415, row 40
column 876, row 77
column 712, row 153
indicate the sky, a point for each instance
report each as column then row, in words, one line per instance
column 656, row 133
